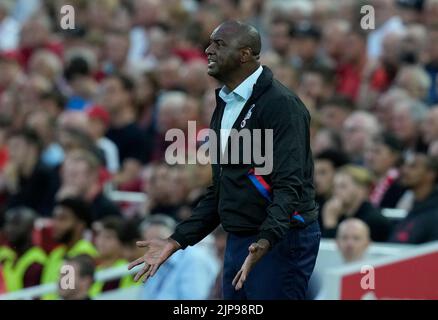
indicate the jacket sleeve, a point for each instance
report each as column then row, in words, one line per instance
column 202, row 222
column 290, row 122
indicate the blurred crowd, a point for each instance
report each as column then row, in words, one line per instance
column 84, row 113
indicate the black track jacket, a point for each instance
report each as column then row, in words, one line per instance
column 247, row 204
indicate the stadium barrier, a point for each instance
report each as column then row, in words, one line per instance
column 409, row 274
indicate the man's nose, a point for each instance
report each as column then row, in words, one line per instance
column 208, row 50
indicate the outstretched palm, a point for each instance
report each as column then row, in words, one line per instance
column 157, row 251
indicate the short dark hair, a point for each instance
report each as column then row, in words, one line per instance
column 126, row 82
column 77, row 66
column 86, row 263
column 391, row 141
column 341, row 101
column 114, row 223
column 79, row 207
column 327, row 74
column 30, row 136
column 131, row 232
column 335, row 157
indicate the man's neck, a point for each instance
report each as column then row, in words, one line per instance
column 238, row 78
column 421, row 192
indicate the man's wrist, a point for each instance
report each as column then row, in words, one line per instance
column 264, row 244
column 175, row 244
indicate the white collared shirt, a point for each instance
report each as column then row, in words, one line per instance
column 235, row 101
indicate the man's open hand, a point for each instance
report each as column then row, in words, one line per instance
column 256, row 251
column 157, row 251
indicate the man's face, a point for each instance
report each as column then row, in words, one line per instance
column 333, row 117
column 379, row 158
column 279, row 37
column 113, row 95
column 64, row 224
column 312, row 85
column 324, row 175
column 107, row 243
column 414, row 170
column 402, row 124
column 77, row 174
column 354, row 136
column 81, row 284
column 69, row 292
column 345, row 189
column 352, row 241
column 223, row 53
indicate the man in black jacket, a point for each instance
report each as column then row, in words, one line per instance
column 271, row 218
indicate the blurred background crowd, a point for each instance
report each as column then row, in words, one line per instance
column 84, row 112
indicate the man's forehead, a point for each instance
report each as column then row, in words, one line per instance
column 223, row 32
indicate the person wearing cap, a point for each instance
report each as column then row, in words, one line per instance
column 306, row 37
column 99, row 121
column 383, row 158
column 350, row 199
column 71, row 218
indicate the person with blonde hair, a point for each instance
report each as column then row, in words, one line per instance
column 350, row 200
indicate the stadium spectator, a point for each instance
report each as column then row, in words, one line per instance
column 350, row 200
column 335, row 111
column 130, row 236
column 44, row 125
column 432, row 62
column 71, row 218
column 9, row 28
column 188, row 275
column 419, row 174
column 80, row 178
column 430, row 126
column 124, row 132
column 24, row 267
column 407, row 117
column 76, row 278
column 99, row 120
column 28, row 181
column 357, row 132
column 353, row 239
column 109, row 231
column 326, row 164
column 306, row 38
column 383, row 158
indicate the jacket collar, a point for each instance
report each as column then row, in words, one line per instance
column 263, row 82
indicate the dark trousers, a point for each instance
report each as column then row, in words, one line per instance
column 283, row 273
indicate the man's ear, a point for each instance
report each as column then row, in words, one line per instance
column 245, row 55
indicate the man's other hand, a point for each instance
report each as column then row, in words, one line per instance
column 256, row 251
column 157, row 252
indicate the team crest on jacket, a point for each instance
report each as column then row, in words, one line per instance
column 247, row 116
